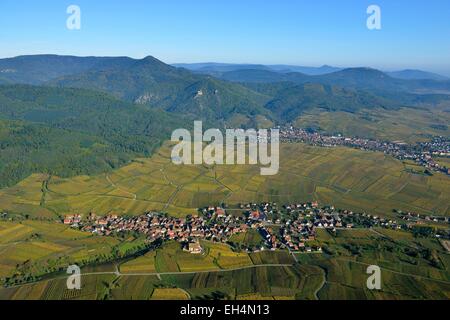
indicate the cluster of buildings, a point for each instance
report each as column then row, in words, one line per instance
column 295, row 226
column 158, row 226
column 421, row 218
column 292, row 226
column 72, row 219
column 421, row 153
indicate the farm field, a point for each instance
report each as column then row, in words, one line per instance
column 32, row 249
column 412, row 268
column 171, row 258
column 343, row 177
column 346, row 280
column 251, row 238
column 408, row 264
column 169, row 294
column 225, row 258
column 143, row 264
column 40, row 246
column 351, row 179
column 268, row 283
column 93, row 288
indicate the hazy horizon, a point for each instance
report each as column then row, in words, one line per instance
column 412, row 36
column 238, row 63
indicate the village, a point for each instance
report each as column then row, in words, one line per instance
column 423, row 153
column 291, row 226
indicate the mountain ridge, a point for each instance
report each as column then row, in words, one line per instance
column 230, row 96
column 216, row 69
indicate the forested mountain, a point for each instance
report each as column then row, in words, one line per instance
column 151, row 82
column 219, row 69
column 28, row 148
column 279, row 97
column 355, row 78
column 212, row 99
column 292, row 101
column 74, row 131
column 375, row 80
column 37, row 69
column 88, row 115
column 156, row 85
column 81, row 109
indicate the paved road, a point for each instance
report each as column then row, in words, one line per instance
column 118, row 273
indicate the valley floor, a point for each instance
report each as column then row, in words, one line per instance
column 39, row 247
column 361, row 181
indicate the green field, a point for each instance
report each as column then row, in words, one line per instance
column 251, row 238
column 171, row 258
column 343, row 177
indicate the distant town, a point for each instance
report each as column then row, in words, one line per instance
column 422, row 153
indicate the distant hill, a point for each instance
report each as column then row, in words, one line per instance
column 361, row 78
column 312, row 71
column 177, row 90
column 217, row 69
column 262, row 76
column 37, row 69
column 241, row 95
column 410, row 74
column 375, row 80
column 212, row 67
column 72, row 70
column 290, row 101
column 354, row 78
column 154, row 83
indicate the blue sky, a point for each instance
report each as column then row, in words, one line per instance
column 414, row 34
